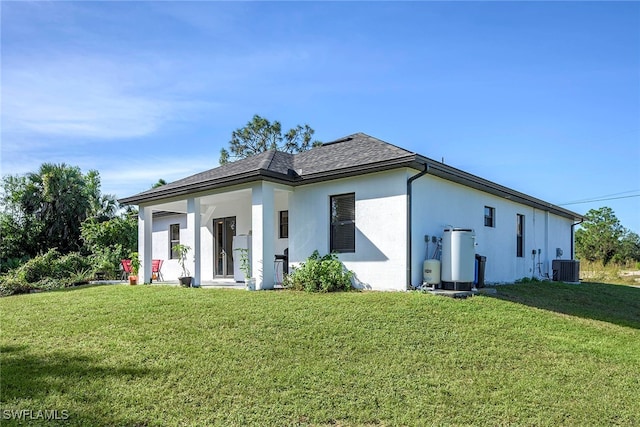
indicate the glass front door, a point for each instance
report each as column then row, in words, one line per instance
column 223, row 231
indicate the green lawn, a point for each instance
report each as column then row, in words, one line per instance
column 534, row 354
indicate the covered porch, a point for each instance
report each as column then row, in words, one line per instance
column 207, row 222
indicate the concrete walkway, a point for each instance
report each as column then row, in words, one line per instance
column 206, row 284
column 209, row 284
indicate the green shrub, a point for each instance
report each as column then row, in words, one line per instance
column 39, row 267
column 47, row 272
column 528, row 280
column 11, row 286
column 8, row 264
column 320, row 274
column 72, row 264
column 49, row 284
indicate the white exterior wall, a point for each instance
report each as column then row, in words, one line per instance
column 238, row 206
column 559, row 238
column 438, row 203
column 160, row 243
column 379, row 261
column 380, row 198
column 161, row 246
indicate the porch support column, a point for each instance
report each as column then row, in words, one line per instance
column 262, row 239
column 145, row 248
column 194, row 232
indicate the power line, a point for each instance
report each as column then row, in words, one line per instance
column 600, row 200
column 597, row 198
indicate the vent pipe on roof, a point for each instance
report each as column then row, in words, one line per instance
column 348, row 138
column 409, row 243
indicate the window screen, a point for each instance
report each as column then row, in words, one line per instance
column 284, row 224
column 174, row 239
column 520, row 236
column 489, row 216
column 343, row 223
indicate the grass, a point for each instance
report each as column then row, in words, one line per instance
column 538, row 354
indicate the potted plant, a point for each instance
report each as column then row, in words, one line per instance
column 182, row 251
column 135, row 267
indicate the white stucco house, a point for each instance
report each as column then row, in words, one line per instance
column 370, row 201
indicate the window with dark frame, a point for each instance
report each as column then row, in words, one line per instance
column 489, row 216
column 343, row 223
column 284, row 225
column 519, row 235
column 174, row 239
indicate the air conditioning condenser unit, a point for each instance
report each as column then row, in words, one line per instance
column 566, row 270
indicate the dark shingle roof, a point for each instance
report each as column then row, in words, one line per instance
column 348, row 153
column 353, row 155
column 357, row 153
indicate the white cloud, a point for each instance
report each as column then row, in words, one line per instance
column 134, row 177
column 122, row 176
column 77, row 97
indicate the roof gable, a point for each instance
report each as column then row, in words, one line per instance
column 353, row 154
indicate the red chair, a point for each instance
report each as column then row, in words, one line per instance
column 126, row 268
column 156, row 265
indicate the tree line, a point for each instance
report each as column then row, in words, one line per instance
column 602, row 238
column 58, row 227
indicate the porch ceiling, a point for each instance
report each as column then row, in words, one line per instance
column 180, row 206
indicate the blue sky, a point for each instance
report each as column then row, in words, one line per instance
column 541, row 97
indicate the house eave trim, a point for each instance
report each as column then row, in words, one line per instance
column 213, row 184
column 458, row 176
column 266, row 175
column 413, row 160
column 354, row 171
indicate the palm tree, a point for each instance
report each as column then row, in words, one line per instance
column 60, row 197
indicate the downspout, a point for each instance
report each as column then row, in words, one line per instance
column 409, row 243
column 573, row 236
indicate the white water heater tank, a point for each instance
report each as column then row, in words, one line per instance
column 458, row 255
column 431, row 272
